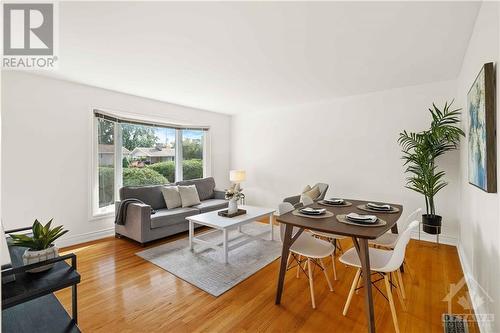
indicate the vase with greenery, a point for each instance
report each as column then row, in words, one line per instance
column 233, row 194
column 40, row 245
column 420, row 151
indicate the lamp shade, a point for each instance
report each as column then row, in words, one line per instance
column 237, row 176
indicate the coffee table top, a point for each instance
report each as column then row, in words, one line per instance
column 213, row 220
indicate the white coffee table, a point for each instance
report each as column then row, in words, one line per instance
column 224, row 224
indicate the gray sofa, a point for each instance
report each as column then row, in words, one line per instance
column 295, row 200
column 142, row 226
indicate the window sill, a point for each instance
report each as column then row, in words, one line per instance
column 101, row 216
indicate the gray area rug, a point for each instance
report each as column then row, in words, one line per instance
column 205, row 268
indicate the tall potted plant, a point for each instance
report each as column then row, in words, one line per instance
column 420, row 151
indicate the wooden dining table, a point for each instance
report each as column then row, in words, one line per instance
column 360, row 236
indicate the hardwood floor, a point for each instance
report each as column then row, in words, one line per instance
column 120, row 292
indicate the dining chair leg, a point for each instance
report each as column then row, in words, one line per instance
column 398, row 290
column 334, row 268
column 401, row 285
column 298, row 266
column 358, row 285
column 391, row 302
column 288, row 260
column 311, row 282
column 326, row 274
column 351, row 292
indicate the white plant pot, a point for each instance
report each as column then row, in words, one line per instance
column 32, row 257
column 233, row 206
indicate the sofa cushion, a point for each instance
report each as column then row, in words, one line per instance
column 171, row 196
column 189, row 195
column 204, row 186
column 165, row 217
column 211, row 204
column 150, row 195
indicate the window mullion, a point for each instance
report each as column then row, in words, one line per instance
column 178, row 155
column 118, row 160
column 205, row 143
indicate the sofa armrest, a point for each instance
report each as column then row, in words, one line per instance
column 293, row 200
column 138, row 212
column 137, row 223
column 219, row 194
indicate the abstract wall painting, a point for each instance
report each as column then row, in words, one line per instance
column 482, row 130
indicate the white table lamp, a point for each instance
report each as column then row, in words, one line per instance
column 237, row 176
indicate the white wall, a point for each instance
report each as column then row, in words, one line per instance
column 46, row 149
column 349, row 143
column 479, row 245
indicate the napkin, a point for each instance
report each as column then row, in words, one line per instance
column 377, row 206
column 361, row 218
column 310, row 210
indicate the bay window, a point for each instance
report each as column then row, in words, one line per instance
column 135, row 153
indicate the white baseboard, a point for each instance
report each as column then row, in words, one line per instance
column 85, row 237
column 443, row 239
column 473, row 287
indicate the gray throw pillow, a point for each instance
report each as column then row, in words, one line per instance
column 171, row 196
column 189, row 195
column 204, row 186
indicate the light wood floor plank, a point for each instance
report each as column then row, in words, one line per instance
column 122, row 292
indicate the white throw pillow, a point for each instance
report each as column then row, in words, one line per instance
column 306, row 189
column 313, row 193
column 189, row 195
column 171, row 196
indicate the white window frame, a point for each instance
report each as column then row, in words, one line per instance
column 99, row 212
column 108, row 211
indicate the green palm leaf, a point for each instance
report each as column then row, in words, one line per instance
column 421, row 149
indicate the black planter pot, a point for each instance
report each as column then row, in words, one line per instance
column 432, row 224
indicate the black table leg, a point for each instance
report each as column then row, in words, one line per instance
column 361, row 246
column 74, row 295
column 287, row 242
column 74, row 303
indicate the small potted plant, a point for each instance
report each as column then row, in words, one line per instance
column 40, row 246
column 420, row 151
column 233, row 194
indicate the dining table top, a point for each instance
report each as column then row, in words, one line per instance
column 332, row 225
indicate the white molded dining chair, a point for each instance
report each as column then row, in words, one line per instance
column 332, row 238
column 309, row 247
column 386, row 263
column 388, row 240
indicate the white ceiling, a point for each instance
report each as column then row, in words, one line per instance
column 235, row 57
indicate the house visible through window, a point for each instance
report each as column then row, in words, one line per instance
column 150, row 156
column 192, row 154
column 147, row 155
